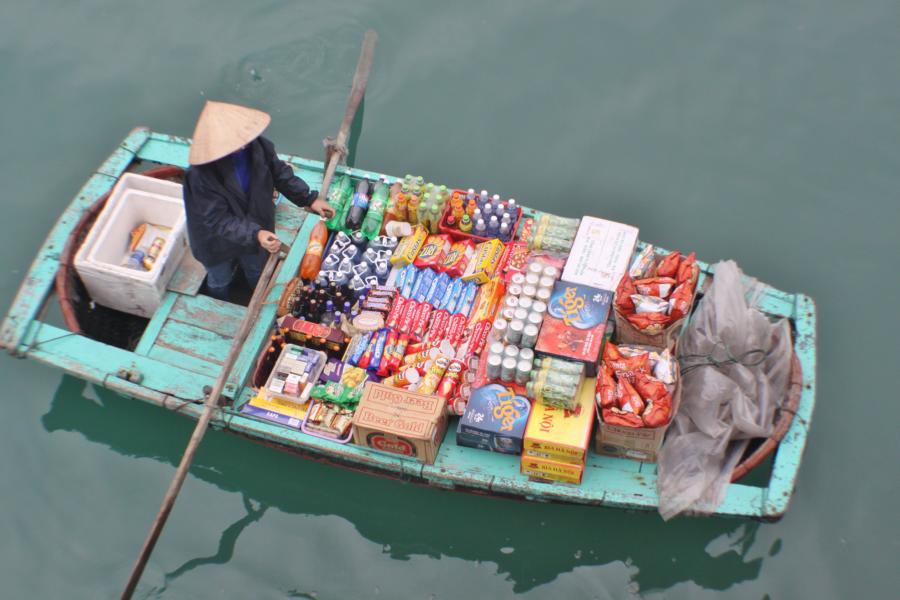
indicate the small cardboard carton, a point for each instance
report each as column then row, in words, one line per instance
column 541, row 468
column 394, row 420
column 574, row 324
column 600, row 253
column 494, row 420
column 561, row 435
column 641, row 444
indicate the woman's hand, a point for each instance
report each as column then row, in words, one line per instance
column 321, row 208
column 268, row 240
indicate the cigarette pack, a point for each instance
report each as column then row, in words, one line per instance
column 600, row 254
column 561, row 435
column 394, row 420
column 574, row 324
column 494, row 420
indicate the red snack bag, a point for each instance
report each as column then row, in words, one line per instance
column 680, row 301
column 627, row 367
column 650, row 388
column 606, row 388
column 515, row 258
column 614, row 416
column 658, row 413
column 668, row 267
column 647, row 320
column 655, row 286
column 623, row 294
column 611, row 352
column 457, row 258
column 686, row 269
column 628, row 398
column 433, row 251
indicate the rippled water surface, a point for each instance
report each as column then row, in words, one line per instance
column 766, row 132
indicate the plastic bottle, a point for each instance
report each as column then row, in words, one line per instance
column 465, row 224
column 338, row 194
column 434, row 217
column 424, row 206
column 412, row 209
column 504, row 231
column 471, row 207
column 480, row 227
column 371, row 225
column 358, row 206
column 493, row 225
column 312, row 259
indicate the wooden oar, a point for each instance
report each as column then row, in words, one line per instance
column 360, row 78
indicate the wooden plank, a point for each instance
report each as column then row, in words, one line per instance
column 195, row 341
column 166, row 149
column 148, row 338
column 189, row 275
column 208, row 313
column 184, row 361
column 94, row 361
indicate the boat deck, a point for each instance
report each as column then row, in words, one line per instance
column 186, row 341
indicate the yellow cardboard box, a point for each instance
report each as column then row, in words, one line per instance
column 560, row 435
column 551, row 469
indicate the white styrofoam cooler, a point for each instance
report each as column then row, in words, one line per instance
column 99, row 262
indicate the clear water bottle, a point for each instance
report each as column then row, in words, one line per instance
column 480, row 227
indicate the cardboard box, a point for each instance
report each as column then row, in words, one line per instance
column 494, row 420
column 400, row 422
column 574, row 324
column 629, row 442
column 551, row 470
column 561, row 435
column 600, row 254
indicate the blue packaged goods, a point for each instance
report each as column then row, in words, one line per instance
column 438, row 287
column 466, row 299
column 450, row 296
column 494, row 420
column 423, row 284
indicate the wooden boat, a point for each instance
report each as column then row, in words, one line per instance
column 171, row 359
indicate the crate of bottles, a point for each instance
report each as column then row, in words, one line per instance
column 479, row 217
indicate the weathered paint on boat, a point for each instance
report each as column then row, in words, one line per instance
column 185, row 342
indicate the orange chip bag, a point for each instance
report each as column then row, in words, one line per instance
column 686, row 269
column 611, row 352
column 614, row 416
column 658, row 413
column 655, row 286
column 628, row 398
column 606, row 388
column 680, row 301
column 629, row 366
column 623, row 294
column 668, row 267
column 647, row 320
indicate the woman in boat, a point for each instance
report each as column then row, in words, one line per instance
column 229, row 193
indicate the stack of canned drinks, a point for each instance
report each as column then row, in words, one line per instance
column 515, row 330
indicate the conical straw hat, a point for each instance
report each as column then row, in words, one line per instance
column 223, row 128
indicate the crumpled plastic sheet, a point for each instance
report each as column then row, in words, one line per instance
column 725, row 405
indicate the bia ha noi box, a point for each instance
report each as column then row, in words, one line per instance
column 556, row 440
column 394, row 420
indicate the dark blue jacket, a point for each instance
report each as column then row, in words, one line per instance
column 222, row 221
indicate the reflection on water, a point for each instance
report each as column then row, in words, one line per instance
column 530, row 543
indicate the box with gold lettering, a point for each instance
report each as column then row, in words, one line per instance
column 494, row 420
column 395, row 420
column 558, row 434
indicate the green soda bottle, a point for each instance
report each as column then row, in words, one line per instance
column 375, row 215
column 338, row 195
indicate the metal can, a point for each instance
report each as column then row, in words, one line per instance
column 551, row 271
column 514, row 289
column 535, row 318
column 546, row 282
column 508, row 369
column 496, row 348
column 529, row 336
column 539, row 307
column 520, row 314
column 494, row 363
column 523, row 371
column 525, row 302
column 517, row 279
column 531, row 291
column 514, row 332
column 511, row 301
column 526, row 354
column 498, row 330
column 511, row 351
column 535, row 268
column 533, row 279
column 543, row 295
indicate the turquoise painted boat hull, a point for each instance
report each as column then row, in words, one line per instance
column 182, row 348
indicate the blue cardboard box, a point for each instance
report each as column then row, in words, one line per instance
column 494, row 420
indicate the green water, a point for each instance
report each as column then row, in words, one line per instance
column 764, row 132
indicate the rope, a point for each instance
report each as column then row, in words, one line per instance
column 751, row 358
